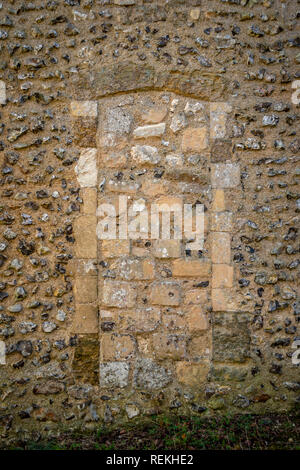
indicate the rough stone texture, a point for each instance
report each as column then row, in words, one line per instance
column 86, row 168
column 218, row 82
column 148, row 375
column 114, row 374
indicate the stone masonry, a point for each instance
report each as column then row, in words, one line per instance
column 179, row 102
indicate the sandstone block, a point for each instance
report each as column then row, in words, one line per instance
column 115, row 347
column 85, row 234
column 221, row 247
column 85, row 319
column 168, row 346
column 196, row 319
column 218, row 204
column 222, row 276
column 223, row 300
column 194, row 139
column 191, row 268
column 85, row 289
column 165, row 293
column 200, row 347
column 89, row 196
column 196, row 296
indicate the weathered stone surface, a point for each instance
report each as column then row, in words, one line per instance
column 165, row 293
column 85, row 289
column 140, row 320
column 2, row 92
column 167, row 248
column 114, row 248
column 191, row 268
column 84, row 108
column 154, row 115
column 119, row 294
column 2, row 353
column 86, row 319
column 148, row 375
column 134, row 269
column 221, row 247
column 225, row 175
column 114, row 374
column 86, row 239
column 192, row 375
column 152, row 130
column 86, row 168
column 231, row 337
column 169, row 346
column 145, row 154
column 194, row 139
column 196, row 319
column 116, row 347
column 222, row 276
column 86, row 359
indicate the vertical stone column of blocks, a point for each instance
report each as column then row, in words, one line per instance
column 153, row 320
column 225, row 175
column 85, row 322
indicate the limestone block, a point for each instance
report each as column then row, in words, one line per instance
column 152, row 130
column 154, row 115
column 140, row 320
column 2, row 92
column 115, row 248
column 148, row 375
column 167, row 248
column 86, row 168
